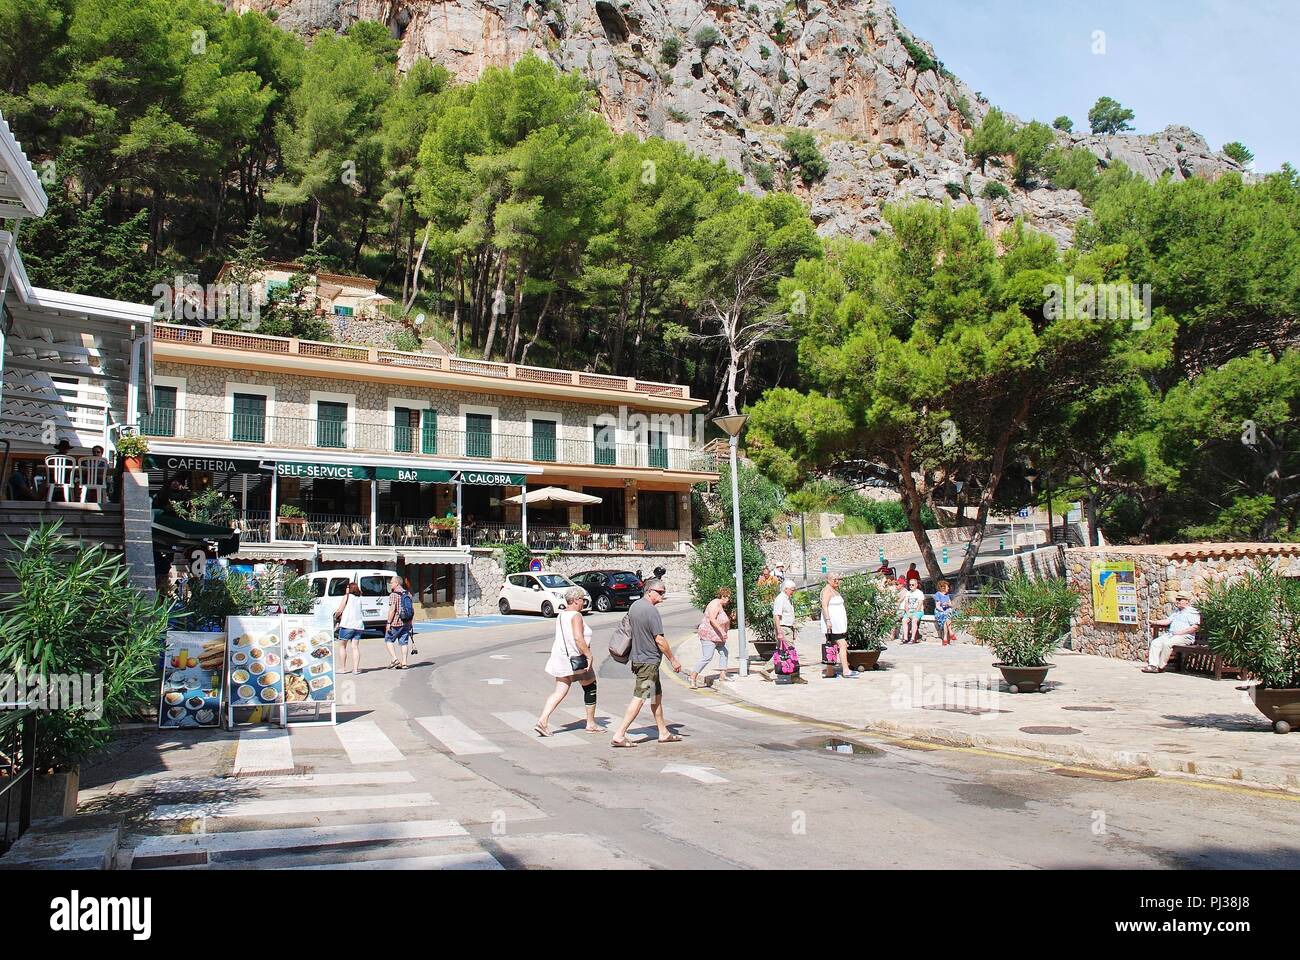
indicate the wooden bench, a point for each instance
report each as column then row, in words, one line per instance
column 1198, row 658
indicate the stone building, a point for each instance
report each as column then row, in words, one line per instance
column 345, row 455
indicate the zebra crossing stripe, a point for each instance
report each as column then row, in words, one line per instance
column 295, row 805
column 731, row 710
column 205, row 784
column 523, row 721
column 366, row 743
column 446, row 861
column 281, row 839
column 456, row 736
column 263, row 749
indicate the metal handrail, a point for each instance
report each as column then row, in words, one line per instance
column 17, row 768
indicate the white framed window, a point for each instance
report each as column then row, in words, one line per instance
column 478, row 427
column 241, row 419
column 335, row 419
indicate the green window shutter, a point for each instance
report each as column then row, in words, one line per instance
column 402, row 433
column 602, row 436
column 162, row 422
column 657, row 442
column 249, row 418
column 429, row 431
column 478, row 435
column 331, row 424
column 544, row 440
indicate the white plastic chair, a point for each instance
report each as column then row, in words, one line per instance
column 92, row 476
column 61, row 472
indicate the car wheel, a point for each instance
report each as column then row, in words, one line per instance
column 547, row 609
column 602, row 603
column 504, row 605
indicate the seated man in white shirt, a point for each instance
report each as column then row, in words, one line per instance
column 1180, row 631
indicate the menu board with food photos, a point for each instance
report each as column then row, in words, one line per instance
column 191, row 680
column 308, row 660
column 254, row 662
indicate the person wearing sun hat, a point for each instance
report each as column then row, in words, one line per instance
column 1180, row 631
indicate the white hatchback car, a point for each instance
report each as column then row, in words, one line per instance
column 541, row 592
column 329, row 585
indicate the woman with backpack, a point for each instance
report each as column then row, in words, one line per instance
column 571, row 662
column 348, row 617
column 401, row 617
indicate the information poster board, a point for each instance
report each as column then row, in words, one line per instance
column 254, row 662
column 191, row 680
column 308, row 660
column 1114, row 591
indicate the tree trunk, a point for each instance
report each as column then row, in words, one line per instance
column 415, row 280
column 620, row 325
column 912, row 505
column 457, row 311
column 541, row 325
column 497, row 295
column 315, row 224
column 512, row 340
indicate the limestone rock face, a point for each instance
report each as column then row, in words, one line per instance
column 839, row 68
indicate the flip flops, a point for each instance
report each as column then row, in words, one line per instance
column 541, row 730
column 621, row 743
column 671, row 738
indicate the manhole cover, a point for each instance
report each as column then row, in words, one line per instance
column 1051, row 731
column 1091, row 709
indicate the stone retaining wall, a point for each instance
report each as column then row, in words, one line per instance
column 485, row 576
column 1162, row 571
column 857, row 550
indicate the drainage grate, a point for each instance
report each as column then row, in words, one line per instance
column 299, row 770
column 1091, row 709
column 1051, row 731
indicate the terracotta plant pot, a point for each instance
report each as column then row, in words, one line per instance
column 864, row 659
column 1280, row 704
column 55, row 794
column 1024, row 679
column 133, row 464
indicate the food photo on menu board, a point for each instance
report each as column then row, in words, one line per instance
column 308, row 661
column 191, row 679
column 256, row 662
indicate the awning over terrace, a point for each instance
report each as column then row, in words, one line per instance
column 75, row 367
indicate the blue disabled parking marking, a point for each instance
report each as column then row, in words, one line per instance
column 462, row 623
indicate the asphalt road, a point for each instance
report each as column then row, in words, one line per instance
column 436, row 767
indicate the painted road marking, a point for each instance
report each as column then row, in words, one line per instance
column 731, row 710
column 295, row 805
column 281, row 840
column 695, row 773
column 366, row 743
column 456, row 736
column 196, row 784
column 495, row 681
column 447, row 861
column 266, row 749
column 523, row 721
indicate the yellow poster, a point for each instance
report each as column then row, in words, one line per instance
column 1114, row 591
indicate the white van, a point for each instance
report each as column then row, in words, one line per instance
column 329, row 586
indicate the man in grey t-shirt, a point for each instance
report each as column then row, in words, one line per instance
column 648, row 649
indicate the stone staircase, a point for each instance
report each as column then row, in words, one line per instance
column 90, row 522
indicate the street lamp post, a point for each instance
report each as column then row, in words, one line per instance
column 1032, row 476
column 731, row 426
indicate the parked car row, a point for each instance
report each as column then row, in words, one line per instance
column 542, row 591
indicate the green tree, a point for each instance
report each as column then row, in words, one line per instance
column 1063, row 123
column 1239, row 152
column 1109, row 116
column 801, row 149
column 992, row 138
column 670, row 51
column 1030, row 145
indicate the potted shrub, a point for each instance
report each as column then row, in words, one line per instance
column 1255, row 624
column 871, row 616
column 758, row 617
column 76, row 615
column 291, row 516
column 1023, row 620
column 132, row 448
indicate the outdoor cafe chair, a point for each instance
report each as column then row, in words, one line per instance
column 331, row 532
column 61, row 472
column 409, row 537
column 358, row 533
column 92, row 476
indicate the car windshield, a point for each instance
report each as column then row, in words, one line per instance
column 374, row 586
column 631, row 579
column 553, row 580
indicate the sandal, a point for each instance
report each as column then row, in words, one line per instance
column 621, row 743
column 671, row 738
column 694, row 678
column 541, row 730
column 392, row 665
column 593, row 730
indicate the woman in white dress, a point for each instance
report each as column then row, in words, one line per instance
column 572, row 639
column 835, row 622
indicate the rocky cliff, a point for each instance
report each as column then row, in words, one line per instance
column 846, row 70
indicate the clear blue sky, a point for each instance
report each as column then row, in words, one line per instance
column 1225, row 68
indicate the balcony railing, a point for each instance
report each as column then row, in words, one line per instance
column 364, row 437
column 354, row 530
column 260, row 343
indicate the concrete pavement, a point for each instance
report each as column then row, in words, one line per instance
column 1094, row 710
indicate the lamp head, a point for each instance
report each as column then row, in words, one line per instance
column 731, row 425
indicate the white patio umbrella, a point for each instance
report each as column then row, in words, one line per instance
column 550, row 496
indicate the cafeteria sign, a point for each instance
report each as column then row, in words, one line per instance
column 204, row 464
column 324, row 471
column 489, row 479
column 1114, row 591
column 413, row 474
